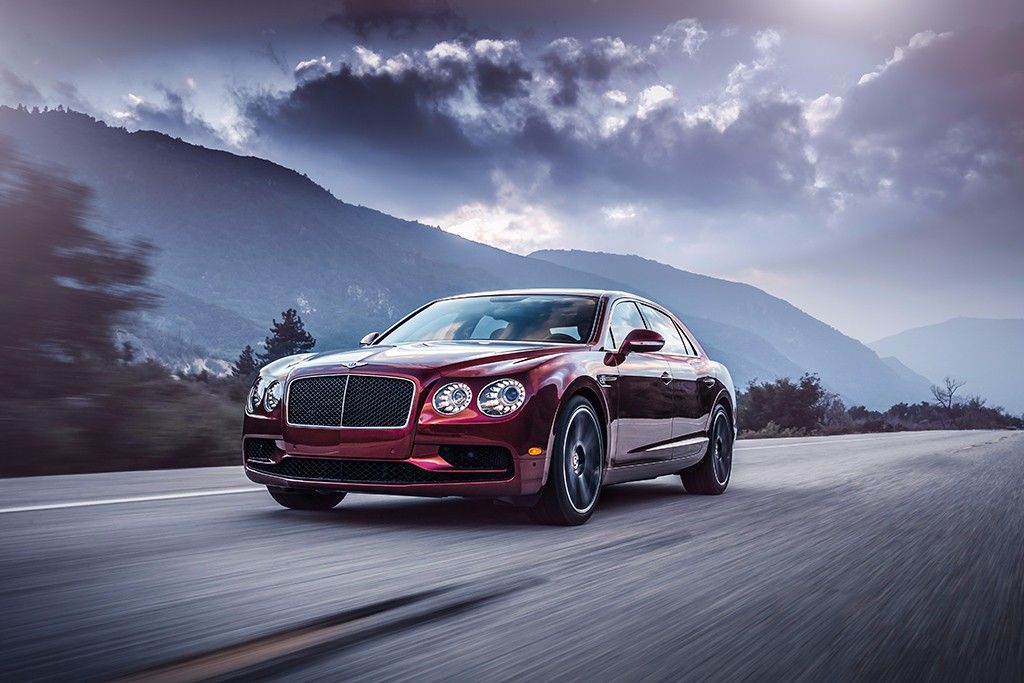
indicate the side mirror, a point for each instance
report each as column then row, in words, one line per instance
column 369, row 339
column 641, row 341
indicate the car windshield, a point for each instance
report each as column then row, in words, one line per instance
column 506, row 317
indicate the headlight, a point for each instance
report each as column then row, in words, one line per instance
column 452, row 398
column 502, row 397
column 273, row 396
column 256, row 394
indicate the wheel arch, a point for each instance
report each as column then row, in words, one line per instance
column 591, row 391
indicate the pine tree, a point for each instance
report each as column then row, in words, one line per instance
column 287, row 338
column 247, row 364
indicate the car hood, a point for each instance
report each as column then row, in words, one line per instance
column 441, row 355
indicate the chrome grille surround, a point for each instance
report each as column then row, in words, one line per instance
column 350, row 401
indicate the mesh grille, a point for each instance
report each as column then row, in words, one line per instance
column 262, row 449
column 377, row 401
column 350, row 401
column 367, row 472
column 317, row 401
column 477, row 457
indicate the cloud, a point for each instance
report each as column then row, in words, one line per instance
column 172, row 113
column 685, row 35
column 512, row 222
column 397, row 18
column 744, row 72
column 15, row 90
column 941, row 120
column 500, row 73
column 571, row 63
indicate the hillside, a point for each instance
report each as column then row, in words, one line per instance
column 983, row 352
column 240, row 238
column 252, row 237
column 844, row 364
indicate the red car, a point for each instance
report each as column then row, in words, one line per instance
column 534, row 397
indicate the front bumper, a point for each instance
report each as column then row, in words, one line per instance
column 411, row 463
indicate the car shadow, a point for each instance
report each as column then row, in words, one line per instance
column 466, row 513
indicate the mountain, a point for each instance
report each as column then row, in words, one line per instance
column 239, row 239
column 844, row 364
column 252, row 238
column 987, row 354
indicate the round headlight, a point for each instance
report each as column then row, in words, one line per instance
column 273, row 396
column 256, row 394
column 502, row 397
column 452, row 398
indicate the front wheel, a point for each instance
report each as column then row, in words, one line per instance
column 710, row 477
column 305, row 500
column 577, row 465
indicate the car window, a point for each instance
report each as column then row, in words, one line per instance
column 566, row 319
column 663, row 325
column 625, row 318
column 690, row 348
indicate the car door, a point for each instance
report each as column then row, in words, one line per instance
column 687, row 424
column 645, row 403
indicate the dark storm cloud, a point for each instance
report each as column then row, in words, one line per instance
column 487, row 102
column 15, row 90
column 174, row 116
column 945, row 114
column 402, row 112
column 569, row 63
column 500, row 72
column 397, row 18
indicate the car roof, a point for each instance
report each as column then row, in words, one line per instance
column 547, row 291
column 609, row 294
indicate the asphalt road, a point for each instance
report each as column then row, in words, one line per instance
column 869, row 557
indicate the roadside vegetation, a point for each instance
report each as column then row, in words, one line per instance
column 804, row 407
column 76, row 401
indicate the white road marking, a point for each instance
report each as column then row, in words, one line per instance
column 132, row 499
column 822, row 441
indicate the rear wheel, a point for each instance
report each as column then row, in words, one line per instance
column 577, row 464
column 305, row 500
column 710, row 477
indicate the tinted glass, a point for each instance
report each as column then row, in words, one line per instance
column 625, row 318
column 690, row 349
column 563, row 319
column 663, row 325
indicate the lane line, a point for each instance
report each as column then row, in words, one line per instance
column 132, row 499
column 824, row 441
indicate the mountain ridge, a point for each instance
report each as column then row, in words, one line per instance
column 248, row 237
column 984, row 352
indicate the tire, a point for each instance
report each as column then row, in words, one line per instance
column 577, row 467
column 305, row 500
column 710, row 477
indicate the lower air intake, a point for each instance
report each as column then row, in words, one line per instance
column 368, row 472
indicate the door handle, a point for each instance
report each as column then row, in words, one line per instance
column 666, row 378
column 710, row 381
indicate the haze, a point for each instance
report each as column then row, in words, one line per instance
column 860, row 160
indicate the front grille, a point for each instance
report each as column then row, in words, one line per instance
column 259, row 449
column 358, row 401
column 368, row 472
column 477, row 457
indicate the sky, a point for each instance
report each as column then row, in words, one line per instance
column 859, row 158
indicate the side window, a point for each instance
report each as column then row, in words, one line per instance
column 663, row 325
column 625, row 318
column 691, row 350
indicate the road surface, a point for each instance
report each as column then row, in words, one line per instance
column 866, row 556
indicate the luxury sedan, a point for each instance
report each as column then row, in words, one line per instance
column 536, row 398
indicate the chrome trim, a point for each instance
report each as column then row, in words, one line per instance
column 678, row 444
column 291, row 381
